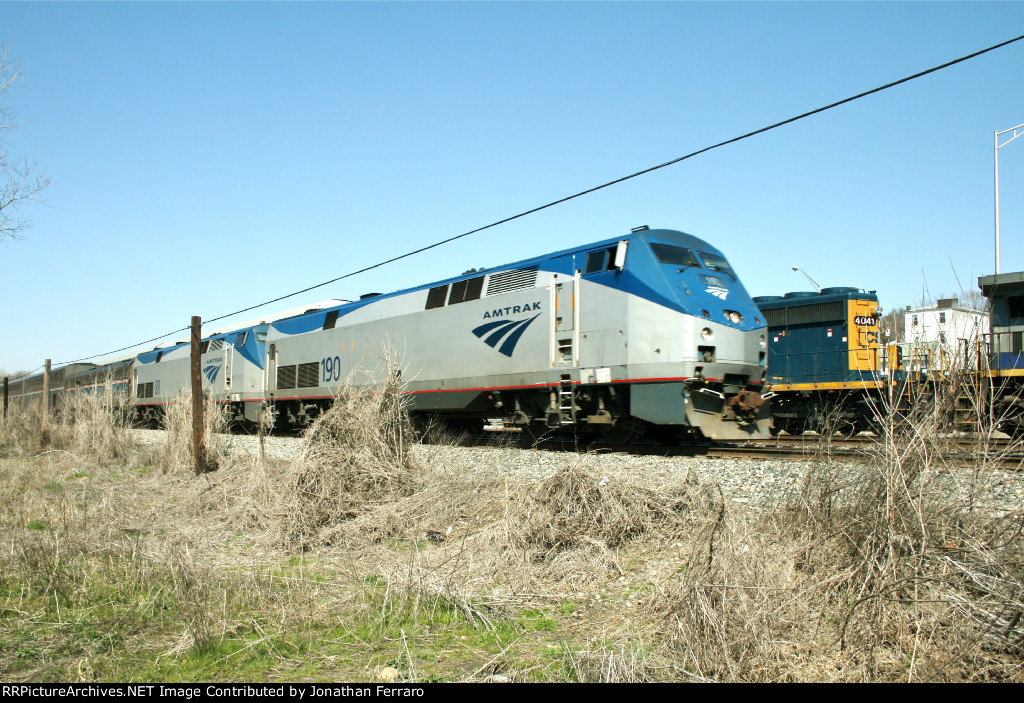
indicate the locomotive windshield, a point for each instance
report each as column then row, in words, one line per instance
column 718, row 263
column 677, row 256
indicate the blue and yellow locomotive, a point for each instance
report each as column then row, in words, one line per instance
column 824, row 358
column 1004, row 375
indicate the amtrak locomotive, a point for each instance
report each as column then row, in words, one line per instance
column 653, row 329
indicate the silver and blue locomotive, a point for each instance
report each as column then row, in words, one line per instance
column 650, row 330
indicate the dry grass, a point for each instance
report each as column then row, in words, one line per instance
column 93, row 426
column 97, row 424
column 178, row 455
column 20, row 430
column 355, row 456
column 569, row 527
column 904, row 567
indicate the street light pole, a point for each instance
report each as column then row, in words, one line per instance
column 813, row 282
column 996, row 151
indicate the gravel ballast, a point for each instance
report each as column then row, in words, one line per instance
column 742, row 480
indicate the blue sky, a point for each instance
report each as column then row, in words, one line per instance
column 209, row 156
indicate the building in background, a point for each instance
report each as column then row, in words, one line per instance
column 945, row 330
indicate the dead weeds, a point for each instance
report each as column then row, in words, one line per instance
column 898, row 569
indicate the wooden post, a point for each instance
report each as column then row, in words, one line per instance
column 46, row 398
column 198, row 451
column 6, row 382
column 261, row 427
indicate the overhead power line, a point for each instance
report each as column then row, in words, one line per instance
column 580, row 194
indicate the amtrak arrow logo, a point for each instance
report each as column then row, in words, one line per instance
column 718, row 291
column 211, row 372
column 509, row 330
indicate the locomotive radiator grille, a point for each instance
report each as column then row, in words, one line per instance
column 513, row 279
column 309, row 375
column 286, row 376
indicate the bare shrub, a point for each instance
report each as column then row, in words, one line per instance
column 90, row 425
column 193, row 585
column 354, row 456
column 730, row 612
column 571, row 522
column 20, row 429
column 178, row 454
column 96, row 425
column 576, row 505
column 904, row 566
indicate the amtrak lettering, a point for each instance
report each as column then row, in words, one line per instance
column 508, row 330
column 513, row 310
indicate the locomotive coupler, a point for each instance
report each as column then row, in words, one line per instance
column 746, row 405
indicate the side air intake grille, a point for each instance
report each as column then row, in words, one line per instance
column 309, row 375
column 436, row 297
column 513, row 279
column 775, row 317
column 816, row 313
column 466, row 290
column 286, row 376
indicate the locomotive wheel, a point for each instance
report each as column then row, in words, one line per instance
column 625, row 430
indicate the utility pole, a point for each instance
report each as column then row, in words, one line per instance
column 198, row 451
column 995, row 150
column 46, row 399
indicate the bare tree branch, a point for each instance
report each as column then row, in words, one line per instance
column 19, row 180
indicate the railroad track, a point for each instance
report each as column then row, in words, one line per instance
column 1001, row 453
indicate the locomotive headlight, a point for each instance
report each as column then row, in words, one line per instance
column 762, row 341
column 733, row 317
column 706, row 334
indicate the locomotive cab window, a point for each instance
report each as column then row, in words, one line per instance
column 597, row 261
column 717, row 263
column 676, row 256
column 1015, row 305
